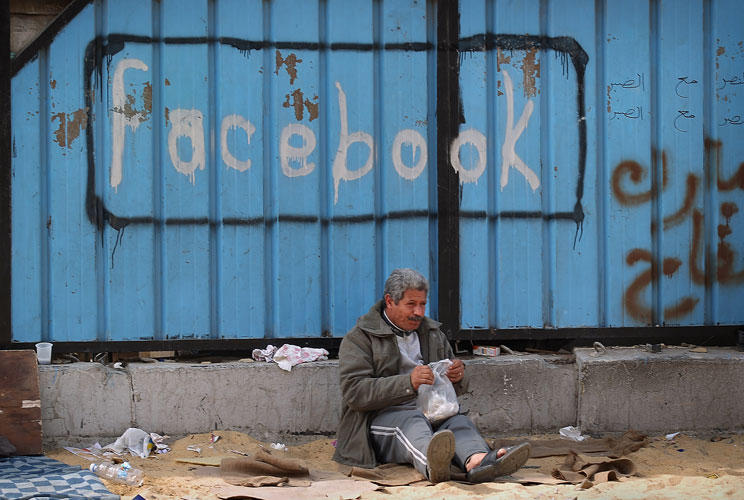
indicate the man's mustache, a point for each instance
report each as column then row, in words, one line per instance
column 415, row 318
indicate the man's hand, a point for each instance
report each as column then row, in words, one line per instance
column 422, row 374
column 456, row 371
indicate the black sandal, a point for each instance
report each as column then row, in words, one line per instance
column 494, row 466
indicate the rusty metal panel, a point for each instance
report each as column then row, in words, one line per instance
column 236, row 169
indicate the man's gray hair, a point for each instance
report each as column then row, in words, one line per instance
column 404, row 279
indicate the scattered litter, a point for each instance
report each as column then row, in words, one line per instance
column 698, row 349
column 205, row 461
column 214, row 438
column 118, row 365
column 160, row 445
column 599, row 349
column 93, row 454
column 712, row 476
column 680, row 449
column 654, row 348
column 289, row 355
column 246, row 360
column 194, row 448
column 138, row 442
column 507, row 350
column 278, row 446
column 572, row 433
column 264, row 354
column 240, row 453
column 671, row 436
column 480, row 350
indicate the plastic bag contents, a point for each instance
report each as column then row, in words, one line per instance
column 439, row 400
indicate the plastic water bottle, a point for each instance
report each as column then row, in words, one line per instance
column 123, row 473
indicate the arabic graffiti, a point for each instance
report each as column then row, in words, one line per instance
column 732, row 81
column 683, row 80
column 682, row 91
column 735, row 120
column 683, row 113
column 726, row 271
column 632, row 83
column 634, row 112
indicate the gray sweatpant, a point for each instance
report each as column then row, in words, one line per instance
column 401, row 434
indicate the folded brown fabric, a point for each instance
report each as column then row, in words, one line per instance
column 264, row 469
column 578, row 469
column 389, row 474
column 255, row 481
column 293, row 466
column 629, row 442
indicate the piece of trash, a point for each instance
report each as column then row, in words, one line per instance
column 278, row 446
column 572, row 433
column 699, row 349
column 246, row 360
column 264, row 354
column 290, row 355
column 124, row 473
column 480, row 350
column 712, row 476
column 118, row 365
column 160, row 445
column 136, row 441
column 93, row 454
column 671, row 436
column 240, row 453
column 194, row 448
column 680, row 450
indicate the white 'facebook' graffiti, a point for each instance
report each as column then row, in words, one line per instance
column 294, row 161
column 120, row 120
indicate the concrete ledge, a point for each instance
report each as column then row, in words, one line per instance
column 520, row 394
column 675, row 390
column 623, row 389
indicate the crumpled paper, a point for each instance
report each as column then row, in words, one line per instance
column 289, row 355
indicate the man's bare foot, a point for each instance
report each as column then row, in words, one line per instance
column 476, row 459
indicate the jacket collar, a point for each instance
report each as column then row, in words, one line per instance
column 373, row 323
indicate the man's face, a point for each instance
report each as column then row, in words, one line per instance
column 409, row 311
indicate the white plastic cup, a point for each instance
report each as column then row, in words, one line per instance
column 44, row 352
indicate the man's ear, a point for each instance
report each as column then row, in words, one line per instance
column 388, row 300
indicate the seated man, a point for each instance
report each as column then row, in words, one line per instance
column 383, row 361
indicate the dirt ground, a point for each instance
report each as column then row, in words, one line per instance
column 702, row 467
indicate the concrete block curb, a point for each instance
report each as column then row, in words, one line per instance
column 623, row 389
column 675, row 390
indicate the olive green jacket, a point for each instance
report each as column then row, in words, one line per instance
column 369, row 361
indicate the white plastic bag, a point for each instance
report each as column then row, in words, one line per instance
column 438, row 401
column 138, row 442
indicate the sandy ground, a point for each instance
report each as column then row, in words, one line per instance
column 704, row 467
